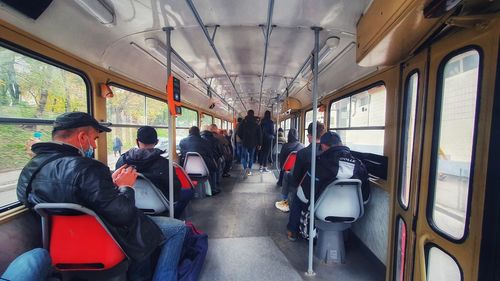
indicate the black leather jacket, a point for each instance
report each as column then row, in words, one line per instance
column 195, row 143
column 87, row 182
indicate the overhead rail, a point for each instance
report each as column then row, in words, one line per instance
column 266, row 44
column 290, row 85
column 205, row 31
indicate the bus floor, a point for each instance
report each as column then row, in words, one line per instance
column 247, row 237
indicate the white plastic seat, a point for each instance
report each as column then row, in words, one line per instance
column 148, row 197
column 340, row 204
column 195, row 167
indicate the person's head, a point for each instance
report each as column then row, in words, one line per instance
column 78, row 129
column 205, row 128
column 280, row 130
column 37, row 135
column 147, row 137
column 330, row 139
column 293, row 136
column 267, row 115
column 250, row 113
column 240, row 119
column 320, row 129
column 214, row 129
column 195, row 131
column 230, row 132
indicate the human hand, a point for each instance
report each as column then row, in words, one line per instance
column 126, row 177
column 118, row 171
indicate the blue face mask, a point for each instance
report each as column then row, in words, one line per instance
column 89, row 152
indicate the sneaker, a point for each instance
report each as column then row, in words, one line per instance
column 261, row 169
column 282, row 206
column 291, row 236
column 266, row 170
column 249, row 172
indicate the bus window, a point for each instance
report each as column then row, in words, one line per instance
column 185, row 121
column 441, row 266
column 399, row 269
column 360, row 120
column 205, row 120
column 308, row 120
column 409, row 113
column 455, row 119
column 32, row 94
column 127, row 111
column 218, row 122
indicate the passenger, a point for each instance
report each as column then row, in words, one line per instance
column 216, row 147
column 236, row 140
column 302, row 164
column 148, row 160
column 226, row 149
column 281, row 136
column 64, row 172
column 335, row 162
column 117, row 146
column 34, row 265
column 251, row 138
column 267, row 127
column 293, row 144
column 195, row 143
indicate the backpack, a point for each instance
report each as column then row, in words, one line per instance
column 194, row 251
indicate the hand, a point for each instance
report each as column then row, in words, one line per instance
column 118, row 171
column 126, row 177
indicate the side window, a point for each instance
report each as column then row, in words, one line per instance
column 453, row 143
column 308, row 120
column 188, row 119
column 127, row 111
column 218, row 122
column 205, row 120
column 360, row 120
column 32, row 94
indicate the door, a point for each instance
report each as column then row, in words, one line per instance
column 453, row 164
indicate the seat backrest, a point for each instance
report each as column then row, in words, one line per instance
column 148, row 197
column 77, row 239
column 342, row 201
column 183, row 177
column 290, row 161
column 195, row 165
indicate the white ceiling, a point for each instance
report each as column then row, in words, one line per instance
column 239, row 40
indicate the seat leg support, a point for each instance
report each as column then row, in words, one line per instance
column 330, row 246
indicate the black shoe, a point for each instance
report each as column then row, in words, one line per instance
column 226, row 175
column 215, row 192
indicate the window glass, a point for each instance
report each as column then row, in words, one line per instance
column 441, row 266
column 400, row 251
column 455, row 139
column 188, row 118
column 409, row 113
column 157, row 112
column 126, row 107
column 218, row 122
column 360, row 120
column 206, row 120
column 31, row 89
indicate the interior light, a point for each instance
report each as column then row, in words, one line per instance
column 333, row 42
column 98, row 9
column 160, row 50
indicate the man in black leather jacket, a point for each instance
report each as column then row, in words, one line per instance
column 63, row 172
column 148, row 161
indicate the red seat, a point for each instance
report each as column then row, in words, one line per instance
column 77, row 239
column 290, row 161
column 183, row 177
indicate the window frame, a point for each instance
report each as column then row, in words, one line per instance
column 32, row 121
column 435, row 142
column 427, row 249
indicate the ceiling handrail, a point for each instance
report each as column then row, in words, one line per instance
column 266, row 44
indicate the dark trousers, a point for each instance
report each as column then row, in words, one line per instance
column 265, row 152
column 185, row 196
column 294, row 217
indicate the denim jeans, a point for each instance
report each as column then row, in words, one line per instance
column 247, row 157
column 33, row 265
column 294, row 216
column 170, row 251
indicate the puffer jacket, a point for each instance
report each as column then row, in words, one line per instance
column 336, row 163
column 150, row 163
column 87, row 182
column 195, row 143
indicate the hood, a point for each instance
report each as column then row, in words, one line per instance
column 293, row 136
column 140, row 157
column 207, row 133
column 53, row 146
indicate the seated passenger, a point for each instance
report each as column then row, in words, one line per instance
column 335, row 162
column 34, row 265
column 148, row 160
column 216, row 148
column 195, row 143
column 225, row 144
column 302, row 165
column 293, row 144
column 63, row 171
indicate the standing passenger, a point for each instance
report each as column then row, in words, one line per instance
column 237, row 141
column 267, row 127
column 251, row 138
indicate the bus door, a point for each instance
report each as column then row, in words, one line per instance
column 450, row 172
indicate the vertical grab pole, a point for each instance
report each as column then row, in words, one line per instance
column 310, row 271
column 171, row 142
column 277, row 132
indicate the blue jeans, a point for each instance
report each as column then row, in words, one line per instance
column 238, row 151
column 170, row 251
column 247, row 156
column 33, row 265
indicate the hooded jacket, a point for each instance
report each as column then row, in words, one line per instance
column 216, row 146
column 336, row 163
column 250, row 133
column 87, row 182
column 293, row 144
column 150, row 163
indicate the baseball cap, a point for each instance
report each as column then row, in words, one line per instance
column 71, row 120
column 147, row 135
column 330, row 138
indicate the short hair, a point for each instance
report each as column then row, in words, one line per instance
column 320, row 129
column 213, row 127
column 147, row 135
column 194, row 131
column 250, row 113
column 240, row 119
column 67, row 133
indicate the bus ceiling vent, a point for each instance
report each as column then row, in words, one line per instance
column 99, row 9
